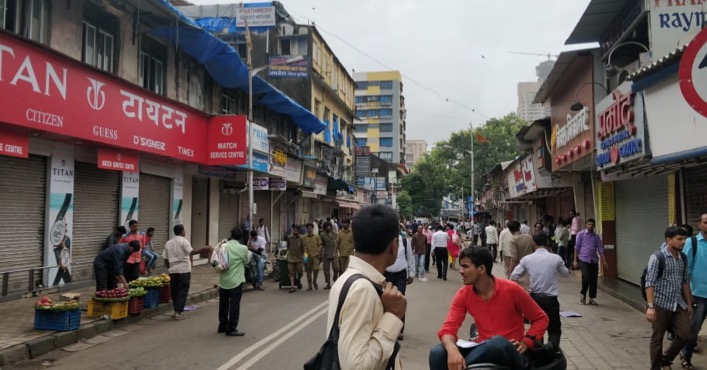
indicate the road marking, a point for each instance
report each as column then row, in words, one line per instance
column 282, row 339
column 271, row 337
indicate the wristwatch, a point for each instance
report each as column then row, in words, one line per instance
column 650, row 305
column 58, row 229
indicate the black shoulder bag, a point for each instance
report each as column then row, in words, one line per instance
column 328, row 356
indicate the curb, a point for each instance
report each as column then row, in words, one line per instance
column 50, row 342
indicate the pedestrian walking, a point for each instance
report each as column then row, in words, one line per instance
column 176, row 254
column 257, row 245
column 589, row 251
column 246, row 224
column 148, row 251
column 109, row 265
column 696, row 251
column 402, row 272
column 369, row 321
column 313, row 249
column 132, row 266
column 452, row 246
column 524, row 228
column 575, row 228
column 562, row 238
column 295, row 258
column 344, row 245
column 114, row 237
column 439, row 248
column 231, row 285
column 428, row 234
column 419, row 246
column 669, row 298
column 476, row 232
column 492, row 238
column 521, row 245
column 263, row 231
column 329, row 258
column 538, row 227
column 544, row 269
column 499, row 308
column 504, row 246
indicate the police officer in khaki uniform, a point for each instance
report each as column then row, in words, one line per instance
column 329, row 258
column 344, row 245
column 295, row 258
column 313, row 247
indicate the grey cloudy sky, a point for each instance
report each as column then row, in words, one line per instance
column 457, row 48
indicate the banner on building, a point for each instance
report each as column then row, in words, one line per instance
column 278, row 184
column 673, row 24
column 260, row 138
column 310, row 174
column 261, row 183
column 60, row 216
column 293, row 171
column 228, row 141
column 117, row 161
column 277, row 160
column 320, row 185
column 14, row 144
column 363, row 161
column 620, row 128
column 279, row 68
column 129, row 197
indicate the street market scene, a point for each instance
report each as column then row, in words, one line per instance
column 353, row 184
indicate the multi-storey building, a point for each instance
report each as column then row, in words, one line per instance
column 414, row 149
column 527, row 110
column 380, row 106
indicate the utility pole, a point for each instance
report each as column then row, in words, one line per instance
column 471, row 154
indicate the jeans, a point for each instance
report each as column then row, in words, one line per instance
column 441, row 262
column 151, row 258
column 590, row 277
column 179, row 284
column 420, row 263
column 679, row 321
column 261, row 270
column 551, row 306
column 699, row 312
column 497, row 350
column 229, row 308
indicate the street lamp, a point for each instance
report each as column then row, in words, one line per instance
column 251, row 74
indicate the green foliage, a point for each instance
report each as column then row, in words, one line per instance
column 405, row 204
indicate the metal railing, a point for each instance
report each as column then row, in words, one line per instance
column 30, row 281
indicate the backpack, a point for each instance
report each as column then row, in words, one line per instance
column 219, row 258
column 328, row 356
column 661, row 265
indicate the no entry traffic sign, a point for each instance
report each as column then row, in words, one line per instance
column 693, row 73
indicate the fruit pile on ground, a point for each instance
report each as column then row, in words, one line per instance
column 149, row 282
column 46, row 303
column 137, row 292
column 115, row 295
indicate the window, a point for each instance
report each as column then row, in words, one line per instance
column 386, row 112
column 386, row 156
column 386, row 141
column 153, row 55
column 361, row 142
column 285, row 47
column 99, row 32
column 27, row 18
column 228, row 104
column 361, row 85
column 360, row 128
column 317, row 107
column 386, row 85
column 315, row 53
column 386, row 99
column 386, row 127
column 327, row 113
column 372, row 113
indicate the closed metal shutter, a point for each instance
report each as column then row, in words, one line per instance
column 227, row 211
column 22, row 195
column 155, row 198
column 95, row 215
column 695, row 180
column 641, row 219
column 588, row 202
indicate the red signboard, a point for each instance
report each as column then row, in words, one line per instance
column 112, row 160
column 14, row 144
column 44, row 91
column 227, row 141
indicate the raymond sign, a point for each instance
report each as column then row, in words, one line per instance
column 117, row 161
column 227, row 141
column 13, row 144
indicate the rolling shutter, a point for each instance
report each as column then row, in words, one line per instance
column 153, row 211
column 22, row 195
column 227, row 211
column 95, row 215
column 641, row 219
column 695, row 180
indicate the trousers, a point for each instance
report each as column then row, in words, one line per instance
column 590, row 277
column 551, row 306
column 229, row 308
column 679, row 321
column 179, row 285
column 441, row 262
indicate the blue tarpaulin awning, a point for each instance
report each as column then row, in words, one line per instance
column 227, row 68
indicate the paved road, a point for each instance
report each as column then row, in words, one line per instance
column 283, row 330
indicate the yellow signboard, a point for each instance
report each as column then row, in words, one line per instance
column 671, row 200
column 607, row 209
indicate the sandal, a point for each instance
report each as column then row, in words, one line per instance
column 687, row 365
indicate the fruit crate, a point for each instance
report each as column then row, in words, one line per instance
column 152, row 298
column 57, row 320
column 115, row 310
column 136, row 305
column 166, row 294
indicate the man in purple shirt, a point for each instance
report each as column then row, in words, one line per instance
column 589, row 251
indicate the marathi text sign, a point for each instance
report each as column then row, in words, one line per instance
column 620, row 128
column 279, row 68
column 261, row 183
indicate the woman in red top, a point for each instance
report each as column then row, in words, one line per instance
column 452, row 247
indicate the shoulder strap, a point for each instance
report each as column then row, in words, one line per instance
column 661, row 262
column 342, row 297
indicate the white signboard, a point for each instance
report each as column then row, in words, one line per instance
column 60, row 216
column 129, row 202
column 177, row 197
column 293, row 170
column 261, row 183
column 674, row 23
column 529, row 174
column 256, row 17
column 260, row 139
column 320, row 185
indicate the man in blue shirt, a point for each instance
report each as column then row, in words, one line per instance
column 109, row 264
column 697, row 267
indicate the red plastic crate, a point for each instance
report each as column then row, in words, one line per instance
column 166, row 294
column 136, row 305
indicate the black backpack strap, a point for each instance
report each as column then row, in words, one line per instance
column 342, row 297
column 661, row 263
column 694, row 247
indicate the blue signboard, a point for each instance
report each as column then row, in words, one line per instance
column 260, row 163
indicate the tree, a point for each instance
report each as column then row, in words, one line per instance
column 405, row 204
column 426, row 185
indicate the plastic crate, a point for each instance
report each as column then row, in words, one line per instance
column 152, row 298
column 114, row 310
column 57, row 320
column 135, row 305
column 166, row 294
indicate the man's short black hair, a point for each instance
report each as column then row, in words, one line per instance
column 688, row 228
column 346, row 221
column 540, row 239
column 439, row 228
column 261, row 220
column 149, row 229
column 253, row 233
column 178, row 229
column 135, row 244
column 132, row 222
column 326, row 224
column 492, row 223
column 591, row 220
column 539, row 223
column 309, row 224
column 374, row 227
column 479, row 256
column 121, row 230
column 674, row 231
column 236, row 233
column 513, row 226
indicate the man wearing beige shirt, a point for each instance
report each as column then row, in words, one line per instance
column 370, row 322
column 521, row 245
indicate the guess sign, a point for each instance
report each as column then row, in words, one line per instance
column 619, row 128
column 112, row 160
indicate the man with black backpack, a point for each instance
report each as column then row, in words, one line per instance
column 696, row 251
column 669, row 299
column 364, row 318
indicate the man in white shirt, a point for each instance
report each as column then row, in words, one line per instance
column 439, row 249
column 524, row 228
column 504, row 244
column 263, row 231
column 544, row 268
column 176, row 258
column 370, row 322
column 492, row 239
column 402, row 272
column 257, row 245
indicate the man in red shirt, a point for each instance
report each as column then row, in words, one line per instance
column 132, row 266
column 498, row 307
